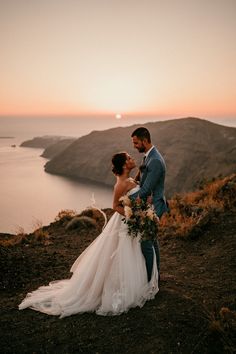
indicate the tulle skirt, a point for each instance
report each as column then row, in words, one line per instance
column 109, row 278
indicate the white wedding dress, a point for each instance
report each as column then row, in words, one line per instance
column 109, row 277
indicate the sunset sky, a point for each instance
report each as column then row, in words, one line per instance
column 157, row 57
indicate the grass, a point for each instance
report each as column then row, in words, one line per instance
column 190, row 213
column 65, row 214
column 19, row 237
column 39, row 234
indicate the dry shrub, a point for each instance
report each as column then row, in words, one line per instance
column 81, row 222
column 19, row 237
column 66, row 214
column 11, row 241
column 97, row 214
column 190, row 213
column 228, row 318
column 20, row 231
column 37, row 225
column 40, row 234
column 93, row 213
column 223, row 323
column 89, row 217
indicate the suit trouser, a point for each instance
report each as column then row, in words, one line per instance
column 148, row 247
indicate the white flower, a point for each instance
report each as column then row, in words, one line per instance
column 125, row 200
column 128, row 212
column 150, row 213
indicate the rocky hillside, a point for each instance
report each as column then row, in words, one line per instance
column 56, row 148
column 193, row 149
column 194, row 311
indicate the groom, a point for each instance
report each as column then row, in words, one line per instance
column 152, row 178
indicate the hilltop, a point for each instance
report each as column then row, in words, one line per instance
column 194, row 149
column 192, row 313
column 44, row 142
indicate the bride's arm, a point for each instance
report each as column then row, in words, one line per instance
column 118, row 192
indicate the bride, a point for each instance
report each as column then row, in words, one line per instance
column 110, row 276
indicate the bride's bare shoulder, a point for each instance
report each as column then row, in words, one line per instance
column 119, row 187
column 123, row 186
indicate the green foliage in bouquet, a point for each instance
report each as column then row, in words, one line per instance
column 140, row 217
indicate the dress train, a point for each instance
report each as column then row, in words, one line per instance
column 109, row 277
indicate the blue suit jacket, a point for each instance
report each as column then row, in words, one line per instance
column 152, row 181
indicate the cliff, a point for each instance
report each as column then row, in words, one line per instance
column 194, row 149
column 56, row 148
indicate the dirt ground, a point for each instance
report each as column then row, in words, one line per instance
column 192, row 313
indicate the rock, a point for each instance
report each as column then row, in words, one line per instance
column 81, row 222
column 55, row 149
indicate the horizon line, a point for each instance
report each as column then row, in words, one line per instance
column 109, row 115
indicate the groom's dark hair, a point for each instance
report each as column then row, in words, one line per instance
column 142, row 133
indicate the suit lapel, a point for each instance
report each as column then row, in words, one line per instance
column 150, row 155
column 144, row 173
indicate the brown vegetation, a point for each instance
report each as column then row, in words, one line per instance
column 192, row 212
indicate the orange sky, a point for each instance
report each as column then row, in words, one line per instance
column 173, row 57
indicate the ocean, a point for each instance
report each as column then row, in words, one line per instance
column 29, row 195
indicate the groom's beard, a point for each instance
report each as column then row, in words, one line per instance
column 141, row 148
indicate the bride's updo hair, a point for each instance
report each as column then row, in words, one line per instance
column 118, row 161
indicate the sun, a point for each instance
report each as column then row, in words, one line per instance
column 118, row 116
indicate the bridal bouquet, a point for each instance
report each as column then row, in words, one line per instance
column 140, row 218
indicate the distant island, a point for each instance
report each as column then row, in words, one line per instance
column 43, row 142
column 52, row 145
column 7, row 137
